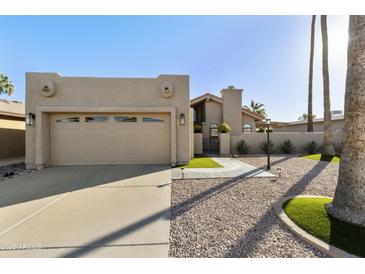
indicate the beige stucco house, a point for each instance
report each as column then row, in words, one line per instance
column 97, row 121
column 12, row 129
column 210, row 111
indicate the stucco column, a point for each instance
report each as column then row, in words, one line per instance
column 224, row 144
column 232, row 109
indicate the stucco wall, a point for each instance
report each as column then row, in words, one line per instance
column 198, row 143
column 249, row 120
column 213, row 115
column 101, row 94
column 191, row 133
column 299, row 139
column 337, row 126
column 12, row 137
column 224, row 143
column 232, row 109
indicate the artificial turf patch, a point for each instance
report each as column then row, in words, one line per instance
column 202, row 163
column 320, row 157
column 310, row 214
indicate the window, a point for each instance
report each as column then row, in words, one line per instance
column 97, row 119
column 68, row 120
column 151, row 120
column 247, row 128
column 213, row 130
column 125, row 119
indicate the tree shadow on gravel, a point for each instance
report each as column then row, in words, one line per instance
column 186, row 205
column 247, row 244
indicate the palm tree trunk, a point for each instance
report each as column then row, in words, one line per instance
column 328, row 149
column 349, row 201
column 310, row 84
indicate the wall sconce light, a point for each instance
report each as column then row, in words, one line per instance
column 182, row 119
column 29, row 119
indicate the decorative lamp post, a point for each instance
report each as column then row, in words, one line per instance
column 268, row 122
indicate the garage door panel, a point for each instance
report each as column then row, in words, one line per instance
column 110, row 142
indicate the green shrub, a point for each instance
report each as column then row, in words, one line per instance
column 338, row 149
column 311, row 147
column 266, row 147
column 287, row 147
column 198, row 128
column 242, row 147
column 224, row 128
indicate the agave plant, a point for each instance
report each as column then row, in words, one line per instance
column 267, row 146
column 287, row 147
column 311, row 147
column 242, row 147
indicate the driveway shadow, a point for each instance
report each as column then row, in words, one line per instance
column 57, row 180
column 252, row 238
column 176, row 210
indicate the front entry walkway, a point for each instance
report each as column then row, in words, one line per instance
column 87, row 211
column 231, row 168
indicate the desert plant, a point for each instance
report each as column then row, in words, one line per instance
column 258, row 108
column 267, row 146
column 6, row 86
column 242, row 147
column 328, row 147
column 338, row 149
column 198, row 128
column 348, row 203
column 310, row 114
column 224, row 128
column 287, row 147
column 311, row 147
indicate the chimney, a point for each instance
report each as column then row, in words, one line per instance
column 232, row 109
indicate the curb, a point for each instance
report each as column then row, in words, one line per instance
column 305, row 236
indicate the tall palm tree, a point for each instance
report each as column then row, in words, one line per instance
column 258, row 108
column 310, row 82
column 6, row 86
column 349, row 201
column 328, row 149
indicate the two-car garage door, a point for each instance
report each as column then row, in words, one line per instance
column 110, row 138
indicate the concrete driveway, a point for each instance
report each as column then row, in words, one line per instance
column 87, row 211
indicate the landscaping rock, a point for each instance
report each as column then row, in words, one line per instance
column 234, row 217
column 11, row 171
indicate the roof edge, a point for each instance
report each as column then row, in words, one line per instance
column 220, row 100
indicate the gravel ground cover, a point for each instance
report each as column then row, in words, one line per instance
column 234, row 217
column 11, row 171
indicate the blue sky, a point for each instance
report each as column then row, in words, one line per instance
column 267, row 56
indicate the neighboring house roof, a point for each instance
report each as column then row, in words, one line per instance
column 208, row 96
column 12, row 108
column 273, row 124
column 315, row 120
